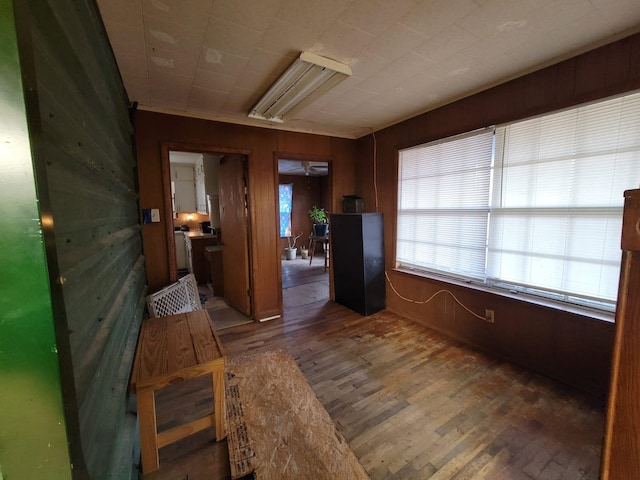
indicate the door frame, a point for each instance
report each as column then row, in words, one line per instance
column 165, row 148
column 300, row 157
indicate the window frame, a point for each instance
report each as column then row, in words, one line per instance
column 563, row 300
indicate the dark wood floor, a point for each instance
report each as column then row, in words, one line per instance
column 411, row 403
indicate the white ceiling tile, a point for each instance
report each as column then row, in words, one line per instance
column 171, row 61
column 313, row 16
column 288, row 39
column 171, row 36
column 213, row 60
column 498, row 14
column 176, row 99
column 445, row 44
column 536, row 50
column 375, row 85
column 232, row 38
column 189, row 13
column 376, row 16
column 367, row 64
column 171, row 81
column 263, row 62
column 255, row 14
column 214, row 81
column 258, row 84
column 430, row 17
column 336, row 107
column 242, row 99
column 366, row 115
column 396, row 41
column 202, row 100
column 342, row 42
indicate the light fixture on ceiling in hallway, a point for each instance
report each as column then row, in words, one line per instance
column 306, row 79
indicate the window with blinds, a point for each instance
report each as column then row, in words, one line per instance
column 443, row 205
column 533, row 206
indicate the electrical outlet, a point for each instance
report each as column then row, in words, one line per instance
column 488, row 315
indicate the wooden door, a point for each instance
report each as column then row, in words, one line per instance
column 235, row 232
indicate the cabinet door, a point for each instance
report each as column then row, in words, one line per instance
column 183, row 188
column 185, row 197
column 182, row 172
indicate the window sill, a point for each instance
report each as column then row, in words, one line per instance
column 608, row 317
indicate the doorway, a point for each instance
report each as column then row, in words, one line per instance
column 305, row 277
column 207, row 194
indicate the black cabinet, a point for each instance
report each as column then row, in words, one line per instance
column 357, row 251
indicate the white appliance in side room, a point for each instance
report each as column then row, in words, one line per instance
column 181, row 253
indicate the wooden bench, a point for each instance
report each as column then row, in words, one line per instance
column 172, row 349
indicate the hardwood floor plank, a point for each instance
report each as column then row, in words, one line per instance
column 411, row 403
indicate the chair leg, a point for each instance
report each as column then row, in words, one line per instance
column 312, row 248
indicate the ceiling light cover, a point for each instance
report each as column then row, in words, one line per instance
column 308, row 77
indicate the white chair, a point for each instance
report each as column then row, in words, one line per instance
column 179, row 297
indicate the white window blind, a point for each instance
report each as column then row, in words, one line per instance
column 537, row 207
column 556, row 212
column 443, row 205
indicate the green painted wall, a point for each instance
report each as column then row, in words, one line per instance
column 33, row 442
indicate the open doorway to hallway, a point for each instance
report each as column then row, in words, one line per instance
column 303, row 184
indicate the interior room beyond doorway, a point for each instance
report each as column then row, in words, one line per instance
column 304, row 280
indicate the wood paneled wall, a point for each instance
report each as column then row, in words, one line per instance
column 264, row 146
column 81, row 137
column 571, row 348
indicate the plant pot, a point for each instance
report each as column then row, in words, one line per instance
column 304, row 253
column 290, row 253
column 321, row 229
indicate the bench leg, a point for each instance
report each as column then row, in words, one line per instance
column 219, row 404
column 148, row 430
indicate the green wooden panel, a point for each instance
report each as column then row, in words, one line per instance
column 33, row 441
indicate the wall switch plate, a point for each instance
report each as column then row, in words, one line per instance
column 155, row 215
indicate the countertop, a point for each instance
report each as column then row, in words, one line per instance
column 197, row 234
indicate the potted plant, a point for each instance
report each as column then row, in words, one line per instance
column 304, row 252
column 319, row 218
column 291, row 250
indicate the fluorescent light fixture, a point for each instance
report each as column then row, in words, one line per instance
column 308, row 77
